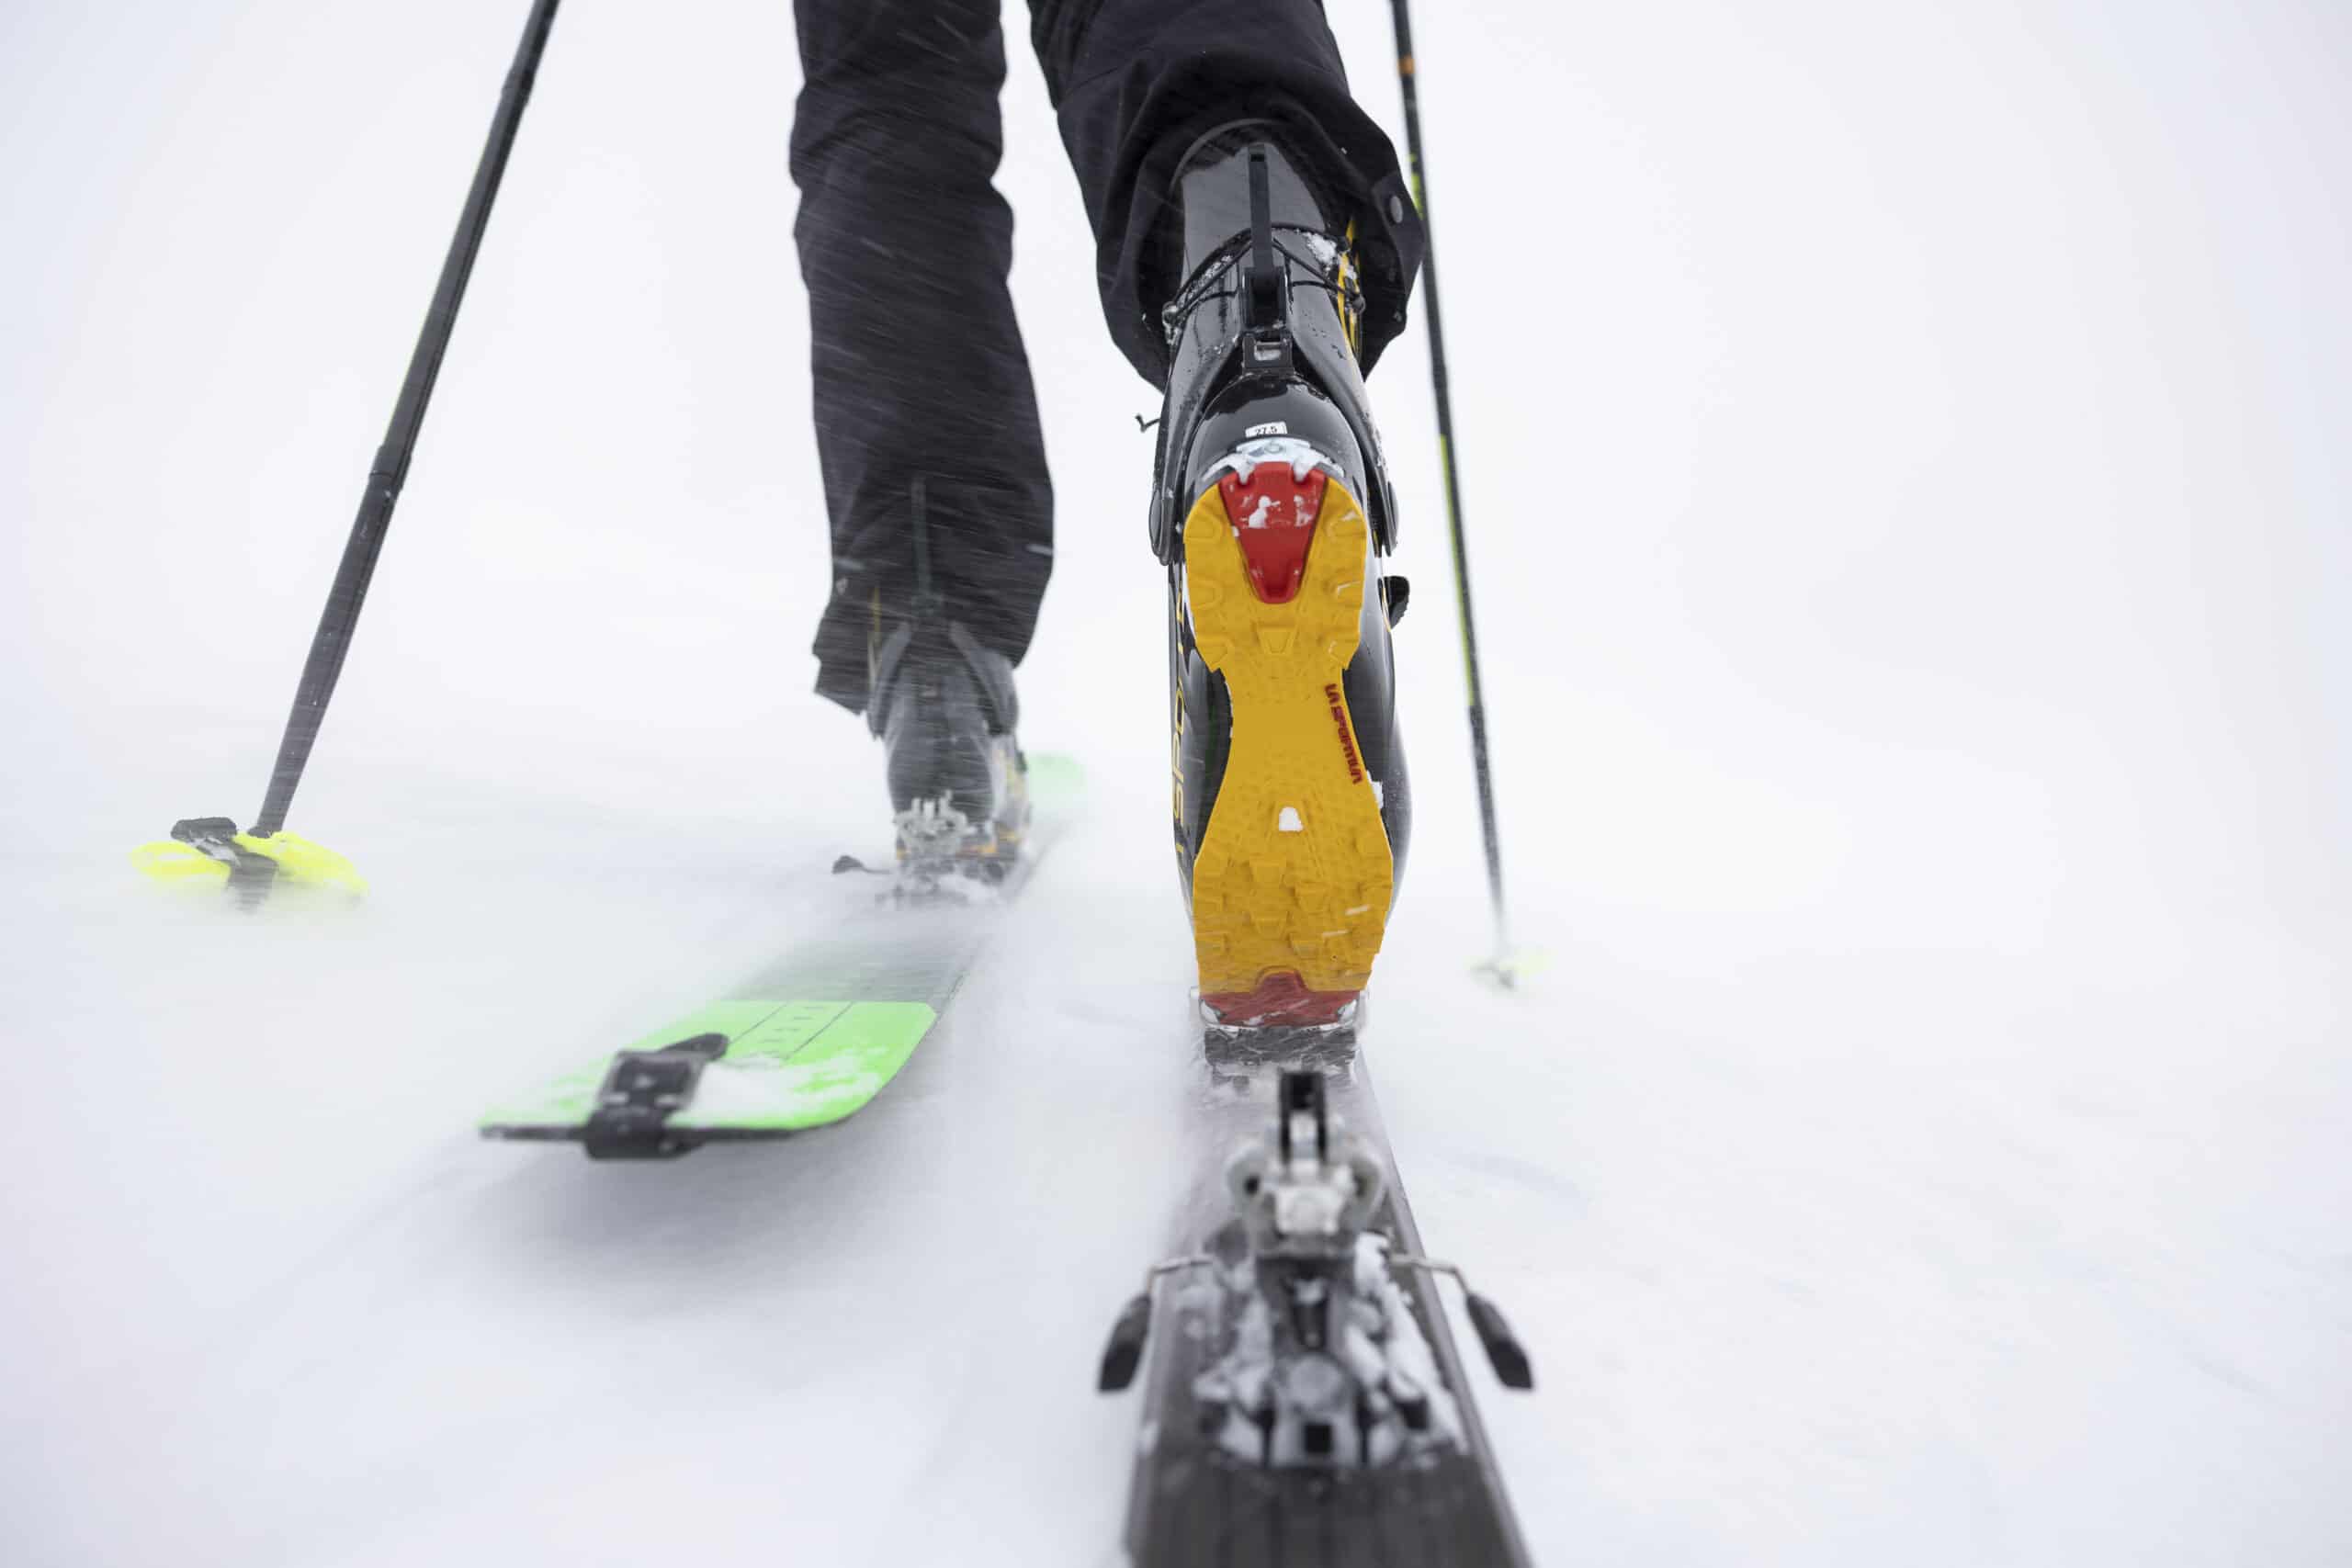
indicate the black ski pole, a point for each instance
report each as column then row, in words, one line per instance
column 1484, row 771
column 390, row 472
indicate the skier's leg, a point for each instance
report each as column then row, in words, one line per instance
column 923, row 391
column 1137, row 82
column 1255, row 247
column 927, row 430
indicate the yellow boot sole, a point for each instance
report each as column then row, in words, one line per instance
column 1292, row 881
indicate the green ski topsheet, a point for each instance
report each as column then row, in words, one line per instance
column 788, row 1066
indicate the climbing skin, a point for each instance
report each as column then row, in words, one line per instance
column 1292, row 884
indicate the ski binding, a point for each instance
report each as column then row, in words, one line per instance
column 1319, row 1360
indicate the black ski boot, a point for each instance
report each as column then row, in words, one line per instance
column 945, row 708
column 1272, row 512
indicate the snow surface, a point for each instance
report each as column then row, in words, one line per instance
column 1903, row 446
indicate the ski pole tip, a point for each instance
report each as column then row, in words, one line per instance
column 1509, row 967
column 208, row 853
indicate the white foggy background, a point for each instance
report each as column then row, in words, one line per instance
column 1903, row 453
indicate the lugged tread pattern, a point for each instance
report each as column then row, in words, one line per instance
column 1294, row 872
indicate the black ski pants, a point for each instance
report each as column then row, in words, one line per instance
column 927, row 430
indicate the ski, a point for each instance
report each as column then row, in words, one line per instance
column 810, row 1038
column 1304, row 1403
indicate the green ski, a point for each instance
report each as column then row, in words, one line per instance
column 806, row 1042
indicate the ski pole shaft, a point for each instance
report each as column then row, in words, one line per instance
column 389, row 471
column 1407, row 76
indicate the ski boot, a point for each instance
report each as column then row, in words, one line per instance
column 1271, row 511
column 944, row 707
